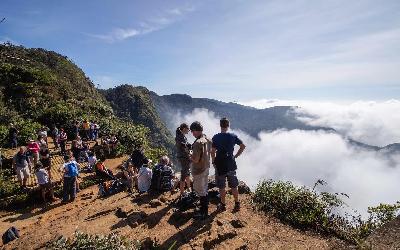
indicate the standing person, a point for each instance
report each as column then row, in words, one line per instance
column 92, row 130
column 75, row 129
column 200, row 167
column 96, row 131
column 224, row 162
column 183, row 154
column 45, row 159
column 70, row 178
column 21, row 164
column 42, row 133
column 34, row 148
column 13, row 135
column 63, row 140
column 86, row 129
column 44, row 182
column 56, row 136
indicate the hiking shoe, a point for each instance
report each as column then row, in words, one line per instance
column 236, row 208
column 221, row 207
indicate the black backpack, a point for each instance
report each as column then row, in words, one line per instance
column 156, row 178
column 187, row 201
column 11, row 234
column 166, row 176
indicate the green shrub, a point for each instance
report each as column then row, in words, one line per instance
column 3, row 135
column 86, row 241
column 307, row 209
column 8, row 187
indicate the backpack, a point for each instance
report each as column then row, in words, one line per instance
column 156, row 178
column 72, row 169
column 187, row 201
column 166, row 179
column 11, row 234
column 110, row 188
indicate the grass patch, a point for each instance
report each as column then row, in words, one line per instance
column 308, row 209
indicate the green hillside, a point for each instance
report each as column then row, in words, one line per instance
column 40, row 87
column 135, row 103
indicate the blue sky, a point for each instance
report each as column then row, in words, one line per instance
column 233, row 50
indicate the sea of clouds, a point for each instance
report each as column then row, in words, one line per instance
column 303, row 157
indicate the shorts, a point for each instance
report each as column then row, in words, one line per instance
column 22, row 173
column 200, row 183
column 185, row 168
column 233, row 181
column 45, row 186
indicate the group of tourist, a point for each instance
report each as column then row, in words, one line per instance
column 195, row 159
column 137, row 172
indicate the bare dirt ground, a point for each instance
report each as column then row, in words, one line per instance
column 154, row 217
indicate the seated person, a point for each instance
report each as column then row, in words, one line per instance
column 128, row 175
column 143, row 178
column 91, row 160
column 168, row 181
column 138, row 158
column 102, row 171
column 44, row 182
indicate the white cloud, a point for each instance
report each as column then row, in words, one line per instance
column 303, row 157
column 374, row 123
column 117, row 34
column 272, row 45
column 145, row 27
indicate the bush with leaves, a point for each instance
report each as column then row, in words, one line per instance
column 306, row 208
column 87, row 241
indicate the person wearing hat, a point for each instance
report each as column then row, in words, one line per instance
column 21, row 164
column 200, row 167
column 12, row 135
column 63, row 140
column 34, row 148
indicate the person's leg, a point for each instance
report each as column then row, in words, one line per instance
column 20, row 177
column 233, row 184
column 201, row 187
column 66, row 189
column 220, row 182
column 73, row 188
column 43, row 190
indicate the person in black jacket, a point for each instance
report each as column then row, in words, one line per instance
column 183, row 155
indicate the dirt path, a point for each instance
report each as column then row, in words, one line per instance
column 243, row 230
column 91, row 214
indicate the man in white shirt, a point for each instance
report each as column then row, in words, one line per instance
column 144, row 178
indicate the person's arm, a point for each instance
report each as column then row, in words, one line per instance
column 213, row 153
column 240, row 151
column 195, row 157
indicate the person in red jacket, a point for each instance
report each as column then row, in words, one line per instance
column 34, row 149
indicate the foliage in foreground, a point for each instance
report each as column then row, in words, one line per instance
column 86, row 241
column 112, row 241
column 308, row 209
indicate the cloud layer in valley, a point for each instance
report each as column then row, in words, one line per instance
column 303, row 157
column 374, row 123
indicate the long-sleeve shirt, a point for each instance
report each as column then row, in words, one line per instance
column 201, row 155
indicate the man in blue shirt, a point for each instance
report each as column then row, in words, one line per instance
column 223, row 159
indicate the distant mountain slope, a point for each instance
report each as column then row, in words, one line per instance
column 135, row 103
column 247, row 119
